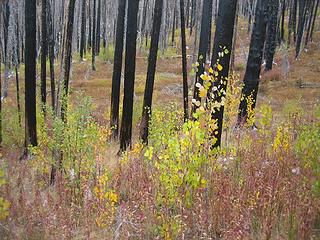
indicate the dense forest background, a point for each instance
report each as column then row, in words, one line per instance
column 159, row 119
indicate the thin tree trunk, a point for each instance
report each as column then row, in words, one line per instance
column 152, row 63
column 314, row 20
column 117, row 67
column 184, row 62
column 44, row 50
column 94, row 36
column 51, row 57
column 83, row 29
column 18, row 95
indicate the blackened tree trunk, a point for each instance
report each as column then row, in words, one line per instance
column 203, row 46
column 173, row 34
column 271, row 44
column 184, row 62
column 51, row 56
column 303, row 8
column 6, row 21
column 147, row 102
column 18, row 95
column 314, row 20
column 90, row 25
column 129, row 75
column 252, row 74
column 44, row 50
column 98, row 32
column 67, row 56
column 117, row 67
column 223, row 39
column 310, row 17
column 83, row 29
column 94, row 36
column 0, row 84
column 283, row 15
column 30, row 74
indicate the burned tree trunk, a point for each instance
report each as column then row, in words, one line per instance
column 117, row 67
column 252, row 74
column 184, row 62
column 51, row 56
column 314, row 20
column 44, row 50
column 203, row 46
column 223, row 39
column 30, row 74
column 147, row 102
column 83, row 29
column 271, row 44
column 67, row 56
column 94, row 36
column 129, row 75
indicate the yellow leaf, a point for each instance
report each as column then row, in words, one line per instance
column 219, row 67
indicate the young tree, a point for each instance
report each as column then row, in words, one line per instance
column 222, row 42
column 152, row 63
column 252, row 74
column 117, row 67
column 271, row 44
column 30, row 74
column 129, row 75
column 184, row 62
column 203, row 46
column 44, row 50
column 66, row 76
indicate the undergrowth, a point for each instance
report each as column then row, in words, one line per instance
column 262, row 184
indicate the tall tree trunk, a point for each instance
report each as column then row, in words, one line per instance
column 184, row 62
column 152, row 63
column 117, row 67
column 98, row 32
column 252, row 74
column 203, row 46
column 0, row 82
column 173, row 34
column 44, row 50
column 283, row 15
column 129, row 75
column 83, row 29
column 68, row 56
column 270, row 46
column 310, row 17
column 94, row 36
column 30, row 74
column 314, row 20
column 303, row 8
column 51, row 56
column 223, row 38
